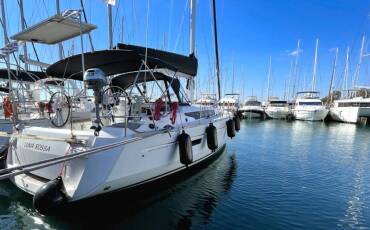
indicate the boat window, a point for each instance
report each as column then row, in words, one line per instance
column 310, row 103
column 277, row 105
column 354, row 104
column 253, row 103
column 201, row 114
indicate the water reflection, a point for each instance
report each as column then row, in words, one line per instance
column 170, row 206
column 206, row 200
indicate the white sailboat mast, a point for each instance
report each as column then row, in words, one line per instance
column 294, row 74
column 192, row 26
column 268, row 79
column 333, row 75
column 314, row 72
column 216, row 49
column 358, row 67
column 346, row 70
column 110, row 29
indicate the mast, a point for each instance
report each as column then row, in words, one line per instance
column 3, row 19
column 60, row 45
column 23, row 28
column 315, row 66
column 357, row 71
column 110, row 30
column 216, row 49
column 190, row 82
column 268, row 79
column 346, row 70
column 192, row 26
column 295, row 67
column 333, row 75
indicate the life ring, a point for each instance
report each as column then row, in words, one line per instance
column 158, row 104
column 8, row 107
column 174, row 107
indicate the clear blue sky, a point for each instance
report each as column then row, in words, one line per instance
column 249, row 32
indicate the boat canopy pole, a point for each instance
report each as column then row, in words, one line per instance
column 216, row 49
column 6, row 43
column 60, row 45
column 23, row 26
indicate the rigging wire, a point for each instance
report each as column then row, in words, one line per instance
column 146, row 44
column 84, row 14
column 181, row 25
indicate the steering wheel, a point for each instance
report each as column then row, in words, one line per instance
column 111, row 98
column 59, row 109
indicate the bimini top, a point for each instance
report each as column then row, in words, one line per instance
column 119, row 61
column 184, row 64
column 19, row 75
column 54, row 29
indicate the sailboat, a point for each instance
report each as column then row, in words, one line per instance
column 352, row 106
column 308, row 105
column 143, row 140
column 22, row 104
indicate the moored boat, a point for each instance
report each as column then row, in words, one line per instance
column 278, row 109
column 309, row 107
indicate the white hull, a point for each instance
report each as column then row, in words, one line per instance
column 349, row 114
column 7, row 127
column 252, row 111
column 250, row 115
column 310, row 114
column 129, row 164
column 278, row 112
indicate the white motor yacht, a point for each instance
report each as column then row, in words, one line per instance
column 309, row 107
column 252, row 108
column 230, row 104
column 278, row 109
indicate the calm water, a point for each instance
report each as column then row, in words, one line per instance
column 273, row 175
